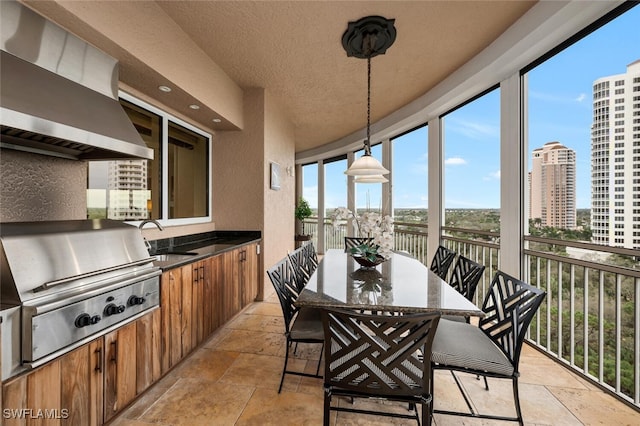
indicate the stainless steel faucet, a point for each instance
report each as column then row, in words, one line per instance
column 143, row 223
column 155, row 222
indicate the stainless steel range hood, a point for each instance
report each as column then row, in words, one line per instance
column 59, row 94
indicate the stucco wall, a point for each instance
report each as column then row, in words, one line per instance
column 279, row 221
column 37, row 187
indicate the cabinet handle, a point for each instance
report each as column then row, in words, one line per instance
column 202, row 272
column 197, row 276
column 114, row 346
column 98, row 353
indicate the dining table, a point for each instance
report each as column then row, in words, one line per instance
column 401, row 284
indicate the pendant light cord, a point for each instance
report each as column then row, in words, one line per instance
column 367, row 145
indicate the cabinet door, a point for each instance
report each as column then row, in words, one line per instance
column 249, row 264
column 197, row 302
column 14, row 397
column 148, row 350
column 81, row 382
column 209, row 298
column 186, row 318
column 120, row 369
column 231, row 284
column 43, row 391
column 171, row 318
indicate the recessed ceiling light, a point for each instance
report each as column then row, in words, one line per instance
column 194, row 106
column 216, row 120
column 165, row 89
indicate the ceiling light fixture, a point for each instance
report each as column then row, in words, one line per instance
column 165, row 89
column 194, row 106
column 365, row 38
column 216, row 120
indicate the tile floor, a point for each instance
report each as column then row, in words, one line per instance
column 233, row 380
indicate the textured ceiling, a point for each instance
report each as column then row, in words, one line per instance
column 293, row 49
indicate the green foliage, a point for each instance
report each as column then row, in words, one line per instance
column 303, row 210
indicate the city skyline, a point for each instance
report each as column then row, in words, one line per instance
column 559, row 109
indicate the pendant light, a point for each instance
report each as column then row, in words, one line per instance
column 365, row 38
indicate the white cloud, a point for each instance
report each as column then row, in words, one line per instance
column 492, row 176
column 455, row 161
column 473, row 129
column 581, row 97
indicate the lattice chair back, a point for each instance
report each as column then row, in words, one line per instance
column 378, row 355
column 303, row 265
column 442, row 261
column 509, row 308
column 310, row 252
column 285, row 283
column 351, row 242
column 465, row 276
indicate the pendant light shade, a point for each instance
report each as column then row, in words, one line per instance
column 366, row 166
column 365, row 38
column 371, row 179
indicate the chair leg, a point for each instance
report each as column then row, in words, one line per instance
column 486, row 384
column 516, row 400
column 327, row 407
column 320, row 360
column 286, row 360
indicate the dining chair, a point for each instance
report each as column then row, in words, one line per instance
column 304, row 262
column 351, row 242
column 493, row 348
column 301, row 325
column 464, row 278
column 442, row 261
column 377, row 356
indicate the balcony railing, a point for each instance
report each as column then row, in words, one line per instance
column 590, row 319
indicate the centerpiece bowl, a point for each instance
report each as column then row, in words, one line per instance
column 365, row 262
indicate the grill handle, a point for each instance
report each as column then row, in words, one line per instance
column 55, row 283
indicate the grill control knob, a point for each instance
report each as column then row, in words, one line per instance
column 136, row 300
column 112, row 309
column 95, row 319
column 83, row 320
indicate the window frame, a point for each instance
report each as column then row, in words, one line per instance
column 164, row 185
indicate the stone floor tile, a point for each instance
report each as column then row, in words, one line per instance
column 193, row 402
column 262, row 323
column 206, row 364
column 263, row 371
column 252, row 342
column 272, row 309
column 596, row 407
column 267, row 407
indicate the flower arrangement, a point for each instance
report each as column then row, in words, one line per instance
column 371, row 225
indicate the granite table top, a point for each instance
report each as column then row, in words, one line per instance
column 401, row 284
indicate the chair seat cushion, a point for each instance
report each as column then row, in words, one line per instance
column 307, row 325
column 465, row 346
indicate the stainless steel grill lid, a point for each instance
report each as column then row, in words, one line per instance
column 43, row 258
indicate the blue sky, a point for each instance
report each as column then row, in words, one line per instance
column 560, row 109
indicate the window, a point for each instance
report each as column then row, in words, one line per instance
column 369, row 195
column 410, row 185
column 174, row 187
column 335, row 195
column 472, row 164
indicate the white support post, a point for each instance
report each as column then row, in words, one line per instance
column 512, row 178
column 436, row 185
column 320, row 248
column 387, row 188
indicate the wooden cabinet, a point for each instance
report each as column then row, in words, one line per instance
column 92, row 383
column 120, row 369
column 148, row 353
column 248, row 273
column 70, row 388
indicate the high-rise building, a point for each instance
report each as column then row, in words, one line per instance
column 615, row 159
column 127, row 187
column 552, row 186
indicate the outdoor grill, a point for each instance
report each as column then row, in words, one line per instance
column 65, row 283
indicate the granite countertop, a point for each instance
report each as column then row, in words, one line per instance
column 179, row 251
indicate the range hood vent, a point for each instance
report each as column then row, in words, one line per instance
column 59, row 94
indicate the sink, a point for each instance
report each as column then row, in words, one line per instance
column 174, row 256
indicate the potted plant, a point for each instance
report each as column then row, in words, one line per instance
column 302, row 212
